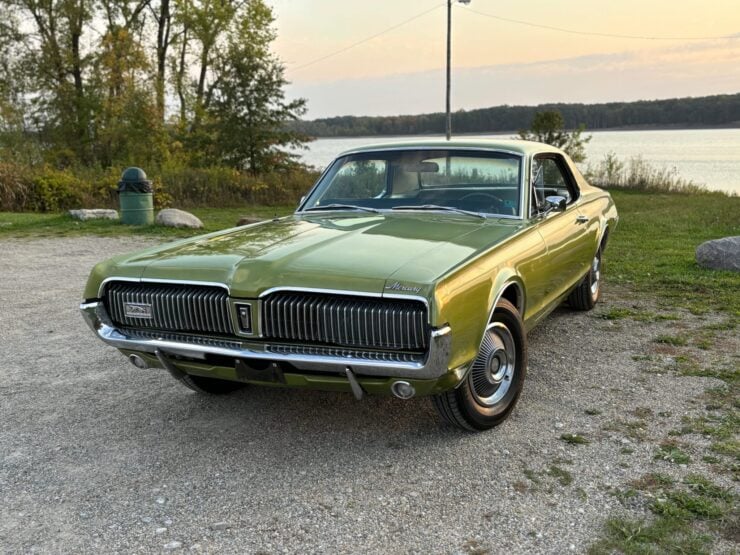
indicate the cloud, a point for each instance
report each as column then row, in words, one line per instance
column 696, row 69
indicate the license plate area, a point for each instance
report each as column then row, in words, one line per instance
column 259, row 371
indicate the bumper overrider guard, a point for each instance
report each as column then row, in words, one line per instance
column 433, row 365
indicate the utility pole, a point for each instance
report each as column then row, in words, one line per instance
column 449, row 65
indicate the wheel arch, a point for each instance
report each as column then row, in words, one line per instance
column 508, row 286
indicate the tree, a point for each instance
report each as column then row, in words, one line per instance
column 89, row 82
column 549, row 127
column 247, row 105
column 52, row 60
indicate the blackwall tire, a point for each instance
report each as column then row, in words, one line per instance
column 492, row 387
column 587, row 293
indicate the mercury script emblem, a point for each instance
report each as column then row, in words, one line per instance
column 396, row 286
column 137, row 310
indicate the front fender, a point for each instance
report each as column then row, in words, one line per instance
column 466, row 302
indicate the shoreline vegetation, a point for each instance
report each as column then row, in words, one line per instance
column 512, row 132
column 676, row 113
column 635, row 174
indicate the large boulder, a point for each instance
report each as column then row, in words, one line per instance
column 172, row 217
column 720, row 254
column 94, row 214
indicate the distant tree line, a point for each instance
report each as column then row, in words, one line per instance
column 691, row 112
column 100, row 83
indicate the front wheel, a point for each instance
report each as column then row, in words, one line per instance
column 491, row 390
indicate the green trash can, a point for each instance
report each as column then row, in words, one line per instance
column 135, row 198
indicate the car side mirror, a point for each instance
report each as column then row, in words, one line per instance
column 556, row 202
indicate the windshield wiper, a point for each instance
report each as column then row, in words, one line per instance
column 337, row 206
column 440, row 207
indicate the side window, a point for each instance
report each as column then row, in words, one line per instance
column 358, row 179
column 548, row 179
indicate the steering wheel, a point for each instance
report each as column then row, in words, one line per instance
column 486, row 197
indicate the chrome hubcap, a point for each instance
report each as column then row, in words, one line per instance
column 493, row 369
column 595, row 275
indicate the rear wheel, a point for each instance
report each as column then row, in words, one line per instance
column 210, row 386
column 586, row 294
column 491, row 390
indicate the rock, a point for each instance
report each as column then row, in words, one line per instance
column 246, row 220
column 220, row 526
column 720, row 254
column 173, row 545
column 172, row 217
column 160, row 531
column 85, row 214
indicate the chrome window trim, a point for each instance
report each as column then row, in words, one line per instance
column 523, row 172
column 305, row 198
column 563, row 165
column 101, row 289
column 430, row 147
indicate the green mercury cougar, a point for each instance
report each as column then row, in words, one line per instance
column 409, row 269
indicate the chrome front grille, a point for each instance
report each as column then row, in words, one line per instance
column 345, row 321
column 170, row 307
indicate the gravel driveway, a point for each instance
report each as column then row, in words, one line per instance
column 97, row 455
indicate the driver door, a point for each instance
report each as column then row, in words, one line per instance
column 563, row 231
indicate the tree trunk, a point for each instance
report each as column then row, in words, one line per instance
column 76, row 24
column 179, row 84
column 163, row 42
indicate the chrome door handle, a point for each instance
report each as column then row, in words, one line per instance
column 582, row 219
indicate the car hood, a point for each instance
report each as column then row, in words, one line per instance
column 383, row 253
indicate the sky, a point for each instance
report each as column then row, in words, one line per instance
column 498, row 62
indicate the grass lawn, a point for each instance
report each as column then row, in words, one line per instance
column 27, row 224
column 651, row 250
column 654, row 244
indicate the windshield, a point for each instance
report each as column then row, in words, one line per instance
column 467, row 181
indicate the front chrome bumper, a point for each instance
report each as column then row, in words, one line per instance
column 432, row 365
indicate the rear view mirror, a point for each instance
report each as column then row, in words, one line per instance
column 556, row 202
column 421, row 167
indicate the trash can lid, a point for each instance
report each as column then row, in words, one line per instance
column 133, row 180
column 133, row 175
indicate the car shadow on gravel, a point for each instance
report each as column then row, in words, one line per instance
column 261, row 418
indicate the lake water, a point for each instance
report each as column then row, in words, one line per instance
column 705, row 156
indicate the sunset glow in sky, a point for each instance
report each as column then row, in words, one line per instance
column 497, row 62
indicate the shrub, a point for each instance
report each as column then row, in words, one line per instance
column 15, row 187
column 636, row 173
column 44, row 189
column 55, row 190
column 41, row 189
column 219, row 186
